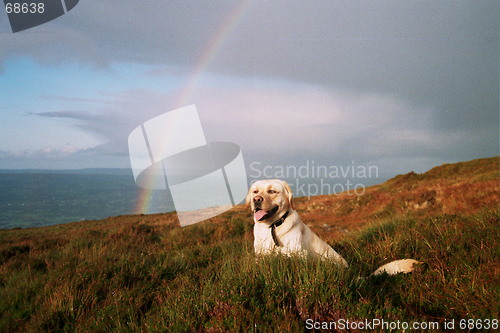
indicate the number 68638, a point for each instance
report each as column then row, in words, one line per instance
column 25, row 8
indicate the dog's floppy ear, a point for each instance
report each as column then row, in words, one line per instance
column 248, row 198
column 289, row 193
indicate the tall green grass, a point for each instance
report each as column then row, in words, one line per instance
column 144, row 276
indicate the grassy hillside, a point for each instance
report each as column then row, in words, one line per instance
column 144, row 273
column 462, row 188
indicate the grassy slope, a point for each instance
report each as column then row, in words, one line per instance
column 461, row 188
column 146, row 273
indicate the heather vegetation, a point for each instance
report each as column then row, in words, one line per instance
column 145, row 273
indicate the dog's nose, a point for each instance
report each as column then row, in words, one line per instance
column 258, row 199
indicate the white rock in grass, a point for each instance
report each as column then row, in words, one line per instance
column 397, row 266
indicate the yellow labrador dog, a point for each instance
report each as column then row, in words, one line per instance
column 279, row 229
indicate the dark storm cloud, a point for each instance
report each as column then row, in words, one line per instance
column 438, row 56
column 443, row 53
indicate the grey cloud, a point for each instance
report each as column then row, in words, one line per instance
column 113, row 123
column 439, row 58
column 274, row 127
column 442, row 53
column 80, row 115
column 52, row 46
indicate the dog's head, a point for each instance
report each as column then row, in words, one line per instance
column 269, row 199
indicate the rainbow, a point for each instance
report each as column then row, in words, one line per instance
column 145, row 196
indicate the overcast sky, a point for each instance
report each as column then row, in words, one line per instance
column 402, row 85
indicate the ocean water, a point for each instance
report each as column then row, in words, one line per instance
column 32, row 199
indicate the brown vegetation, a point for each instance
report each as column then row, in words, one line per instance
column 145, row 273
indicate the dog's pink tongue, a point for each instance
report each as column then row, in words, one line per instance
column 258, row 215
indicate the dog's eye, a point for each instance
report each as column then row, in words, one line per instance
column 272, row 191
column 255, row 191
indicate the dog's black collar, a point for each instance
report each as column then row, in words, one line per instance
column 273, row 227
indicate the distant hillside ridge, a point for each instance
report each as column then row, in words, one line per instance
column 474, row 170
column 459, row 188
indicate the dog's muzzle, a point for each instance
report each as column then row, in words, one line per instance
column 261, row 214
